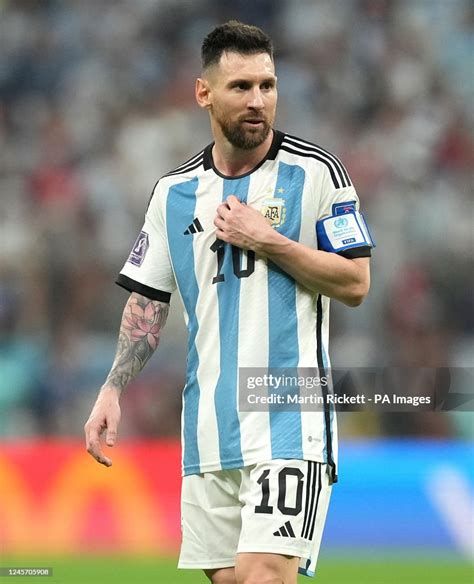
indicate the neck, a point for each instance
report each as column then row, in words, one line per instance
column 232, row 161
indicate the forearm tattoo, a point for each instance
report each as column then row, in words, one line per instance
column 139, row 336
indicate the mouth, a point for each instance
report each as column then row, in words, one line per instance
column 254, row 122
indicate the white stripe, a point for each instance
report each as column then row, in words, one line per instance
column 309, row 494
column 207, row 314
column 319, row 158
column 333, row 160
column 323, row 503
column 253, row 332
column 322, row 151
column 190, row 166
column 316, row 502
column 189, row 161
column 312, row 438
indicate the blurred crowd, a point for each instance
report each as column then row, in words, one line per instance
column 97, row 102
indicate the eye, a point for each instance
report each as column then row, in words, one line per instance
column 268, row 85
column 242, row 86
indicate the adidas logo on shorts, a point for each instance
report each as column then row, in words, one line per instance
column 285, row 531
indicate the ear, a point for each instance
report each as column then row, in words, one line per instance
column 203, row 93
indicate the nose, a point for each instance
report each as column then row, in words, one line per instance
column 256, row 99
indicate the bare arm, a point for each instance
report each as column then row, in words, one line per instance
column 139, row 336
column 140, row 329
column 344, row 279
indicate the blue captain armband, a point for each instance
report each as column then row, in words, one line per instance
column 339, row 233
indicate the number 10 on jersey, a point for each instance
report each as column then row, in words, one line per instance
column 219, row 248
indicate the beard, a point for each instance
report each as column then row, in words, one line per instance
column 240, row 136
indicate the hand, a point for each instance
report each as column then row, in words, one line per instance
column 105, row 415
column 241, row 225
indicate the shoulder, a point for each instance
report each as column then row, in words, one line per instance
column 190, row 166
column 310, row 153
column 186, row 171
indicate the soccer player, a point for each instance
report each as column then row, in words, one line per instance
column 256, row 232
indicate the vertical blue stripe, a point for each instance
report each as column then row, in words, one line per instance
column 180, row 209
column 285, row 426
column 225, row 397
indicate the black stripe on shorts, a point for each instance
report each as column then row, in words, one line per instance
column 312, row 498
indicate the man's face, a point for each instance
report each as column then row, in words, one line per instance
column 242, row 98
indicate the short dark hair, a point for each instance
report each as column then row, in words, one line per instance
column 237, row 37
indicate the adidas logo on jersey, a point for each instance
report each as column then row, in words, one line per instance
column 285, row 531
column 195, row 227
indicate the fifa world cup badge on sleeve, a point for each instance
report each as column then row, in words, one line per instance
column 343, row 231
column 140, row 247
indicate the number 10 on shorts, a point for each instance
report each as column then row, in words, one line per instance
column 287, row 475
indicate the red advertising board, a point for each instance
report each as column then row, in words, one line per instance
column 55, row 498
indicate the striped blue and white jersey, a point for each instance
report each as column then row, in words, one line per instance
column 240, row 309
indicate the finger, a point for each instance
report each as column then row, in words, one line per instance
column 111, row 435
column 223, row 210
column 91, row 434
column 94, row 449
column 220, row 234
column 219, row 222
column 105, row 460
column 233, row 201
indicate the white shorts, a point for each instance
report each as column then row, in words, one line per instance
column 274, row 507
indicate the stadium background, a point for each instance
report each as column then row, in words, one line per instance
column 96, row 102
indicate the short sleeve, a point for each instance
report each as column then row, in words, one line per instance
column 338, row 199
column 148, row 269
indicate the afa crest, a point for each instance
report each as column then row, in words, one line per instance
column 275, row 210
